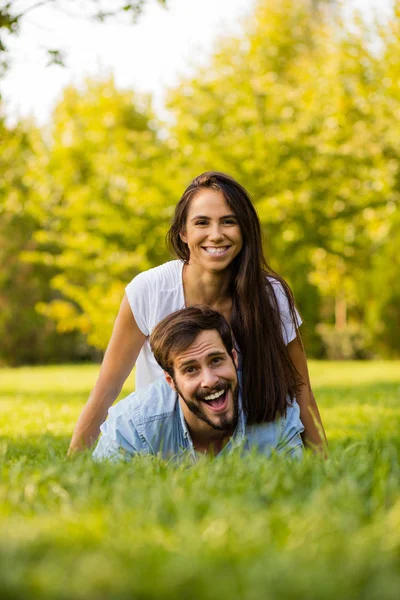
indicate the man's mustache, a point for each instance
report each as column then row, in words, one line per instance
column 220, row 386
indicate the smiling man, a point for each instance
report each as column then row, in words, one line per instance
column 196, row 407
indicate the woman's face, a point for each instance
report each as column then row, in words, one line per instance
column 212, row 231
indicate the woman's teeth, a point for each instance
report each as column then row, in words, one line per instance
column 219, row 250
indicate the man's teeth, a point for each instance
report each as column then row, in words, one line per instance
column 219, row 250
column 215, row 395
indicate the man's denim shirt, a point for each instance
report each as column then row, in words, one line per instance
column 150, row 421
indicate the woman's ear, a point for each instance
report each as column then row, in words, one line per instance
column 183, row 237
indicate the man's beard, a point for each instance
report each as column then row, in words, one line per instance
column 225, row 424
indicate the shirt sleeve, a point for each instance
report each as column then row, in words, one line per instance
column 288, row 326
column 138, row 294
column 119, row 438
column 290, row 442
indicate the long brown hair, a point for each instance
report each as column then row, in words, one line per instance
column 269, row 375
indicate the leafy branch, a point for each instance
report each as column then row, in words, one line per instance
column 95, row 10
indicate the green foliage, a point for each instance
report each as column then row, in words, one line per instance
column 11, row 18
column 353, row 342
column 26, row 336
column 290, row 110
column 301, row 108
column 227, row 528
column 106, row 212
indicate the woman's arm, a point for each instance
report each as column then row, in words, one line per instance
column 314, row 434
column 123, row 349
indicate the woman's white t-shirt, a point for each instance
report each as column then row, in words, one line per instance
column 158, row 292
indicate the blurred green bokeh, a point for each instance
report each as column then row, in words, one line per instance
column 302, row 108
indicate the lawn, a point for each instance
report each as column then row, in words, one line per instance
column 229, row 528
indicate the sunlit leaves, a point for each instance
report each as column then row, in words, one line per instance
column 295, row 109
column 106, row 211
column 302, row 108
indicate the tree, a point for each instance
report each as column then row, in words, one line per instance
column 287, row 109
column 106, row 208
column 301, row 108
column 26, row 336
column 12, row 14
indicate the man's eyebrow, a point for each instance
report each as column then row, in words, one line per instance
column 192, row 361
column 230, row 216
column 186, row 363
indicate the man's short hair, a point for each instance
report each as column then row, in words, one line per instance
column 178, row 331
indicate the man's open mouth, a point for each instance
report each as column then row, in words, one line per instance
column 217, row 401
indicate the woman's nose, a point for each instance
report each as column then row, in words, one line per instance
column 216, row 233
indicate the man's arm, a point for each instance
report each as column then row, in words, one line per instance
column 119, row 438
column 290, row 442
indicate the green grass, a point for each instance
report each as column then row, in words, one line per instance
column 235, row 528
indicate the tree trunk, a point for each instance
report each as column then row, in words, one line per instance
column 340, row 311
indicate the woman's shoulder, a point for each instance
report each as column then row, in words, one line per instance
column 155, row 293
column 277, row 287
column 165, row 276
column 290, row 319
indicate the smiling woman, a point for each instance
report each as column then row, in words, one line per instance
column 216, row 235
column 212, row 234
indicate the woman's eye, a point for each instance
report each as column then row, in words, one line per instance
column 202, row 222
column 230, row 222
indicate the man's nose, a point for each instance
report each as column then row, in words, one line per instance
column 209, row 378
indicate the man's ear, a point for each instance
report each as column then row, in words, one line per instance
column 235, row 358
column 169, row 380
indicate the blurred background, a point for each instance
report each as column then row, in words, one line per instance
column 109, row 109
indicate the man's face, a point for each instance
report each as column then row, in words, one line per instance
column 206, row 380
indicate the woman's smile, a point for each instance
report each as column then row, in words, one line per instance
column 212, row 231
column 216, row 250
